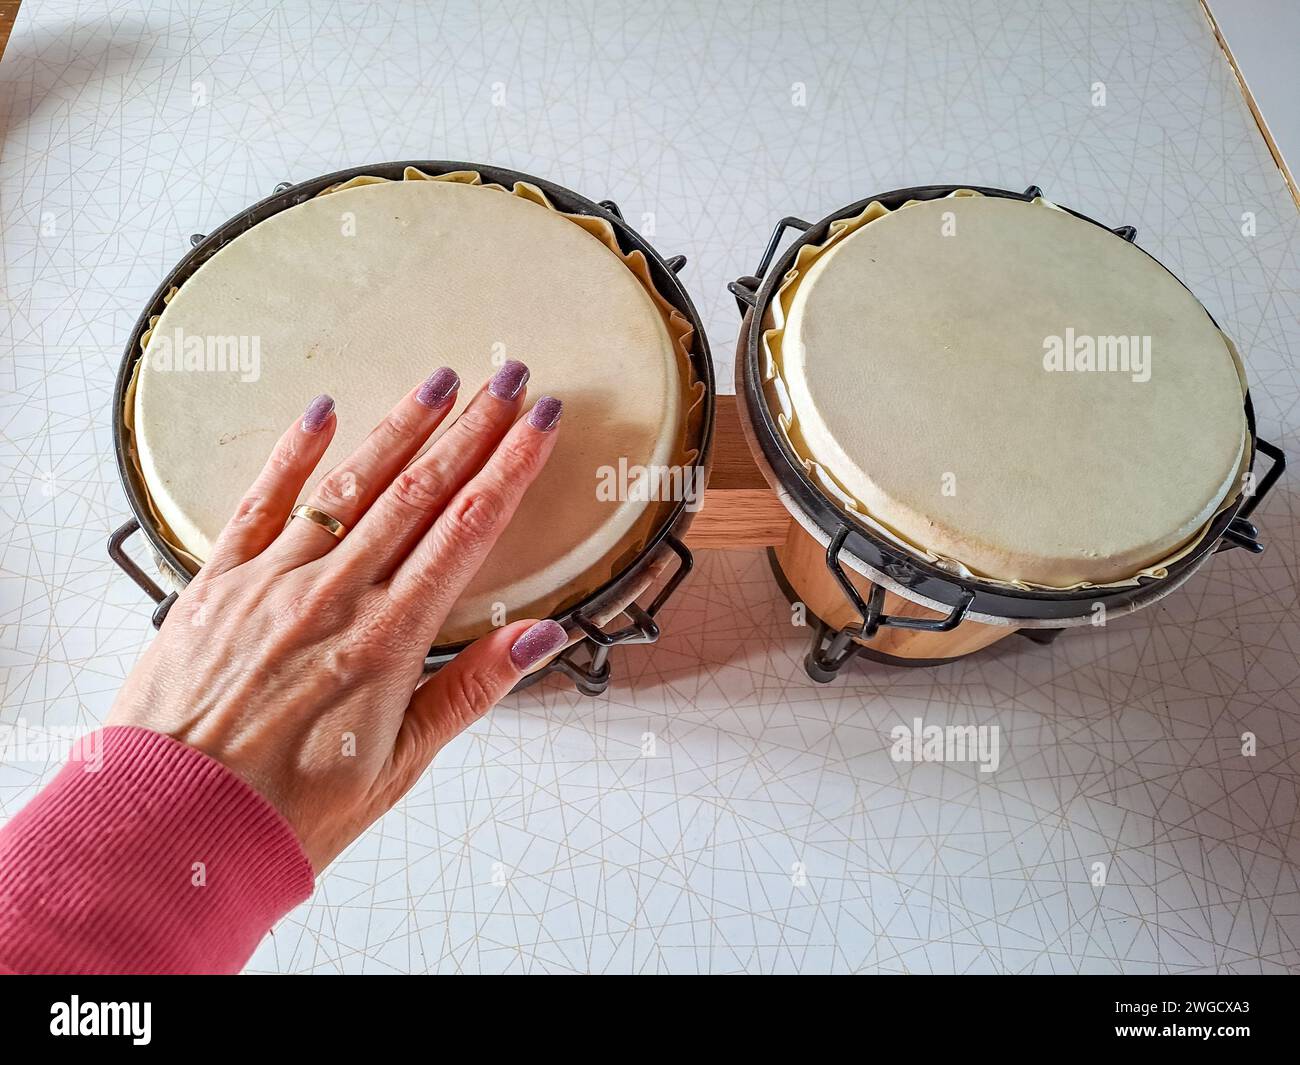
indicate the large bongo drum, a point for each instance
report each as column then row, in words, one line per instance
column 986, row 414
column 358, row 284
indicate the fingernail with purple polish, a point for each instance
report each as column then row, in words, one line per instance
column 545, row 414
column 438, row 388
column 317, row 414
column 537, row 642
column 508, row 380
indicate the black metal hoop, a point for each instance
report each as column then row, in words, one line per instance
column 961, row 595
column 591, row 678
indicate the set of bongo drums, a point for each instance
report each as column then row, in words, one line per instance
column 960, row 412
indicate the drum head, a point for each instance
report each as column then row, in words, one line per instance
column 361, row 293
column 1002, row 387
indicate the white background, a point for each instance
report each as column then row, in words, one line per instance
column 1264, row 36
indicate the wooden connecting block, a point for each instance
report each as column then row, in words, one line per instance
column 740, row 509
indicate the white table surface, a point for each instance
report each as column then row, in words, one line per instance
column 543, row 840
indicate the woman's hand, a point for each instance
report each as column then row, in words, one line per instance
column 294, row 657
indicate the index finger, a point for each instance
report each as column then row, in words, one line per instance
column 430, row 580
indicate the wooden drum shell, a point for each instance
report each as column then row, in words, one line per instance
column 802, row 563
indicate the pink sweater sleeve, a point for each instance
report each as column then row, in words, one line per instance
column 157, row 860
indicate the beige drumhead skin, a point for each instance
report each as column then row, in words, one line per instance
column 914, row 363
column 436, row 273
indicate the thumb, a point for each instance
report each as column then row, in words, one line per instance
column 475, row 680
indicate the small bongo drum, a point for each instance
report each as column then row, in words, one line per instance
column 358, row 284
column 986, row 414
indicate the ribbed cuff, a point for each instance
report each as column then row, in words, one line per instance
column 144, row 855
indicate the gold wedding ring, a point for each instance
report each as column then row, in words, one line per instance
column 318, row 517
